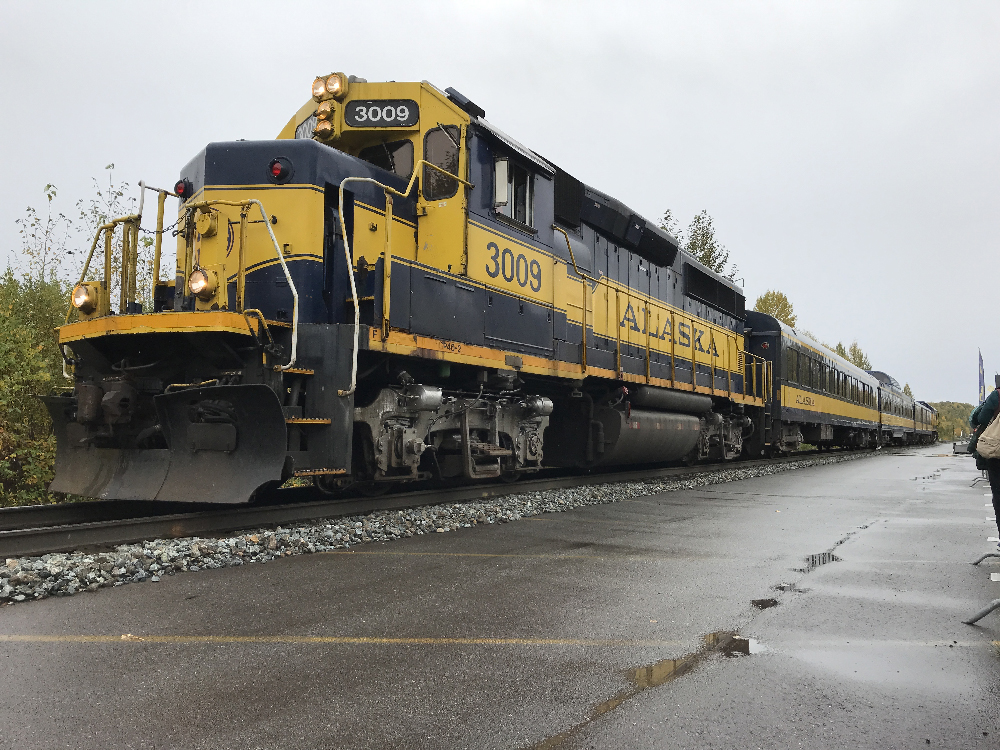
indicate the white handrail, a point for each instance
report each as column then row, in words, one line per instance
column 291, row 285
column 350, row 275
column 281, row 259
column 347, row 250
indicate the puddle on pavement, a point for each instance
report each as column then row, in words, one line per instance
column 723, row 643
column 764, row 603
column 793, row 587
column 814, row 561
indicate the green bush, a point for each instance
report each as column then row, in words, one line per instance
column 30, row 365
column 34, row 298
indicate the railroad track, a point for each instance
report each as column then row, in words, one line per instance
column 39, row 529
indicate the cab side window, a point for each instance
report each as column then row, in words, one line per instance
column 441, row 150
column 517, row 200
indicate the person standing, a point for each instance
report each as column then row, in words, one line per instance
column 981, row 417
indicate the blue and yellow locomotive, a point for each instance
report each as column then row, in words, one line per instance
column 394, row 290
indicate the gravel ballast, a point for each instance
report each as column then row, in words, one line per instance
column 64, row 574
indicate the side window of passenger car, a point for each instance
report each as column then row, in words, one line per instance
column 441, row 150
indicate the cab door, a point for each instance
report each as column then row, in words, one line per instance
column 442, row 304
column 442, row 204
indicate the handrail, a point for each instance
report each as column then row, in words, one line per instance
column 572, row 257
column 160, row 204
column 136, row 220
column 673, row 333
column 253, row 312
column 388, row 254
column 86, row 266
column 281, row 259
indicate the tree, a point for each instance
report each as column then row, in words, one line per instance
column 30, row 365
column 700, row 242
column 669, row 224
column 953, row 418
column 857, row 357
column 44, row 239
column 776, row 304
column 841, row 351
column 907, row 391
column 34, row 298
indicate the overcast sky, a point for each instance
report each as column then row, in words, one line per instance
column 848, row 151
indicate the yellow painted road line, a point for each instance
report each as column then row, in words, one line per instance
column 348, row 640
column 525, row 555
column 378, row 641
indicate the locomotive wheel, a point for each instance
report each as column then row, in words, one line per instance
column 262, row 493
column 509, row 475
column 331, row 485
column 371, row 489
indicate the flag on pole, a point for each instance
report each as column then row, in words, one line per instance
column 982, row 379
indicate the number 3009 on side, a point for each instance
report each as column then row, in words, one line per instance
column 513, row 267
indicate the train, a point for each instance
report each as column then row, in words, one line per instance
column 822, row 399
column 395, row 290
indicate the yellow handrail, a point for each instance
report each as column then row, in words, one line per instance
column 109, row 227
column 673, row 331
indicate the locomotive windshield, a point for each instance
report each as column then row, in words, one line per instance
column 394, row 156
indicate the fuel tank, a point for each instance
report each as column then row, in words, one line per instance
column 582, row 434
column 664, row 399
column 645, row 437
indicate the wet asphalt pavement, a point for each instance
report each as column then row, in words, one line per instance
column 585, row 629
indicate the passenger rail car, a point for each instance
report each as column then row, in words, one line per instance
column 820, row 398
column 926, row 422
column 904, row 420
column 392, row 290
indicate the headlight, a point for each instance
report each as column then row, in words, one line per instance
column 202, row 284
column 324, row 111
column 324, row 129
column 84, row 299
column 319, row 88
column 335, row 84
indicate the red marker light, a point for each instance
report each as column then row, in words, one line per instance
column 182, row 189
column 279, row 170
column 179, row 187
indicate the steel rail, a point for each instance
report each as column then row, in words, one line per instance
column 40, row 529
